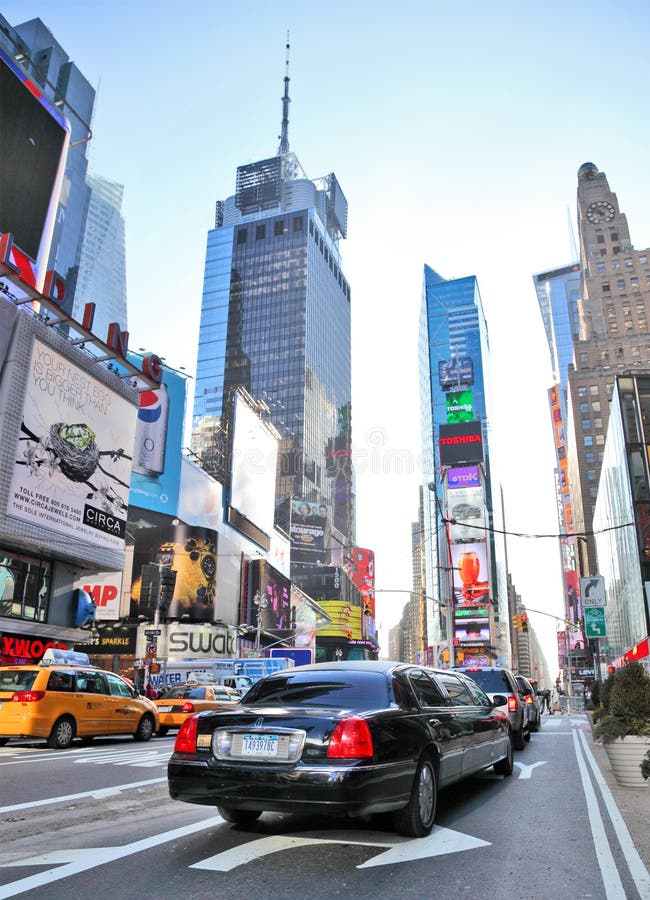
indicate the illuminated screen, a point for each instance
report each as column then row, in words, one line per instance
column 31, row 143
column 254, row 463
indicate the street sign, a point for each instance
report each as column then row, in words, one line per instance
column 592, row 591
column 595, row 622
column 152, row 633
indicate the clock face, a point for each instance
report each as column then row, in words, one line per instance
column 600, row 212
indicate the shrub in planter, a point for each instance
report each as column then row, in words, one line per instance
column 595, row 694
column 645, row 765
column 627, row 710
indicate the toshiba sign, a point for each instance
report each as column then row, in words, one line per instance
column 460, row 443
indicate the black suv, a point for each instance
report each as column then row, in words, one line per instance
column 497, row 680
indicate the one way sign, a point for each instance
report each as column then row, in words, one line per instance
column 593, row 591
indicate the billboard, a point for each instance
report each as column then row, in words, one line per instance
column 72, row 462
column 460, row 406
column 253, row 467
column 185, row 553
column 463, row 477
column 34, row 139
column 467, row 511
column 455, row 372
column 470, row 574
column 105, row 588
column 346, row 620
column 157, row 450
column 360, row 568
column 308, row 529
column 275, row 611
column 461, row 443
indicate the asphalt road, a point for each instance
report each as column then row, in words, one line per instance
column 96, row 821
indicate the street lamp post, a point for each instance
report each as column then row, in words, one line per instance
column 261, row 603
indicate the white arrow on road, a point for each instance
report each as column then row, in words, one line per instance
column 438, row 843
column 526, row 771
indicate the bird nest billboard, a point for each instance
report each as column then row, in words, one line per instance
column 72, row 462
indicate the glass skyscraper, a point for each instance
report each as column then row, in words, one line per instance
column 275, row 320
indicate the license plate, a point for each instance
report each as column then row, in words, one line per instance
column 165, row 708
column 259, row 745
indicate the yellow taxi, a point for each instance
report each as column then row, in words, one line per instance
column 64, row 697
column 178, row 703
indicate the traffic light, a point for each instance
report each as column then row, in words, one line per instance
column 610, row 670
column 516, row 622
column 523, row 620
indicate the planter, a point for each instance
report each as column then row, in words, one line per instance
column 625, row 756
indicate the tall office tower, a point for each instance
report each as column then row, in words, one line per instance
column 613, row 310
column 275, row 319
column 102, row 264
column 465, row 562
column 35, row 49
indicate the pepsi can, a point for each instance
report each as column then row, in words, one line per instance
column 151, row 432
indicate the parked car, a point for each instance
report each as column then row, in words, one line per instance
column 351, row 738
column 178, row 703
column 495, row 680
column 64, row 697
column 529, row 695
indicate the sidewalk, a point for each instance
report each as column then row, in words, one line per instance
column 633, row 803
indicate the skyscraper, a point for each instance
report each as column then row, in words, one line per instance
column 275, row 320
column 102, row 263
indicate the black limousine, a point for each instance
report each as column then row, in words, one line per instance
column 353, row 738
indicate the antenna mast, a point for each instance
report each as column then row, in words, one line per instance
column 284, row 136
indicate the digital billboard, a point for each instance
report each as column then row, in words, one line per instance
column 470, row 574
column 360, row 568
column 275, row 591
column 34, row 138
column 72, row 462
column 460, row 406
column 463, row 477
column 308, row 532
column 460, row 444
column 455, row 372
column 467, row 512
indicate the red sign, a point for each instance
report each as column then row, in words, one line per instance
column 639, row 651
column 16, row 648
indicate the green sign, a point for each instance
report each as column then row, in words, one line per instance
column 459, row 407
column 595, row 621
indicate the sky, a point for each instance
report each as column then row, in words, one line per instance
column 456, row 132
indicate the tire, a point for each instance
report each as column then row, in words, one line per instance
column 527, row 735
column 145, row 728
column 518, row 739
column 238, row 816
column 163, row 730
column 417, row 817
column 506, row 765
column 62, row 734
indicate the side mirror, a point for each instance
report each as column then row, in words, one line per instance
column 499, row 700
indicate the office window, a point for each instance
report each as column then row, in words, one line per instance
column 628, row 261
column 616, row 264
column 582, row 391
column 600, row 239
column 596, row 406
column 297, row 223
column 643, row 325
column 590, row 456
column 586, row 424
column 278, row 227
column 593, row 492
column 600, row 266
column 605, row 287
column 604, row 355
column 593, row 390
column 588, row 440
column 614, row 236
column 584, row 408
column 260, row 232
column 591, row 474
column 634, row 281
column 242, row 234
column 636, row 352
column 643, row 260
column 598, row 423
column 616, row 249
column 620, row 283
column 584, row 357
column 600, row 439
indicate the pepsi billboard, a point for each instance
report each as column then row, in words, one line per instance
column 157, row 451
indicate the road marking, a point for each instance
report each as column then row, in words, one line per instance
column 90, row 858
column 526, row 771
column 98, row 794
column 635, row 864
column 116, row 756
column 440, row 842
column 611, row 879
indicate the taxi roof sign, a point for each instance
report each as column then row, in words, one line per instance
column 54, row 656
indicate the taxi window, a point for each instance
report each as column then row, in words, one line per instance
column 457, row 690
column 221, row 695
column 17, row 679
column 91, row 683
column 117, row 686
column 61, row 681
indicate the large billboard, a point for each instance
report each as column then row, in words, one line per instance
column 308, row 532
column 461, row 444
column 157, row 450
column 72, row 462
column 470, row 574
column 460, row 407
column 34, row 138
column 360, row 568
column 463, row 477
column 467, row 514
column 273, row 591
column 454, row 373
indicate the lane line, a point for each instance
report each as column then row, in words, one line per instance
column 100, row 857
column 608, row 871
column 635, row 864
column 97, row 793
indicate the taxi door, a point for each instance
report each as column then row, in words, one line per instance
column 124, row 709
column 93, row 714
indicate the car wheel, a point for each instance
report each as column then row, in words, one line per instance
column 63, row 731
column 145, row 729
column 518, row 739
column 505, row 766
column 238, row 816
column 417, row 817
column 163, row 730
column 527, row 735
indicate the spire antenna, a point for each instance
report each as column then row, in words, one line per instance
column 284, row 136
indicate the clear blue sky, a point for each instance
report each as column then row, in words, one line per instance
column 456, row 132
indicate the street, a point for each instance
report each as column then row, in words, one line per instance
column 96, row 821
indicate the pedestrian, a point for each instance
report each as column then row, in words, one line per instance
column 546, row 701
column 150, row 691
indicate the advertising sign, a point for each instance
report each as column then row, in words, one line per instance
column 461, row 443
column 158, row 445
column 72, row 463
column 305, row 633
column 253, row 467
column 275, row 591
column 105, row 589
column 455, row 372
column 346, row 620
column 459, row 406
column 307, row 529
column 360, row 568
column 467, row 510
column 462, row 477
column 470, row 574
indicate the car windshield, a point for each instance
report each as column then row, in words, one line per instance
column 344, row 690
column 184, row 693
column 17, row 680
column 493, row 681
